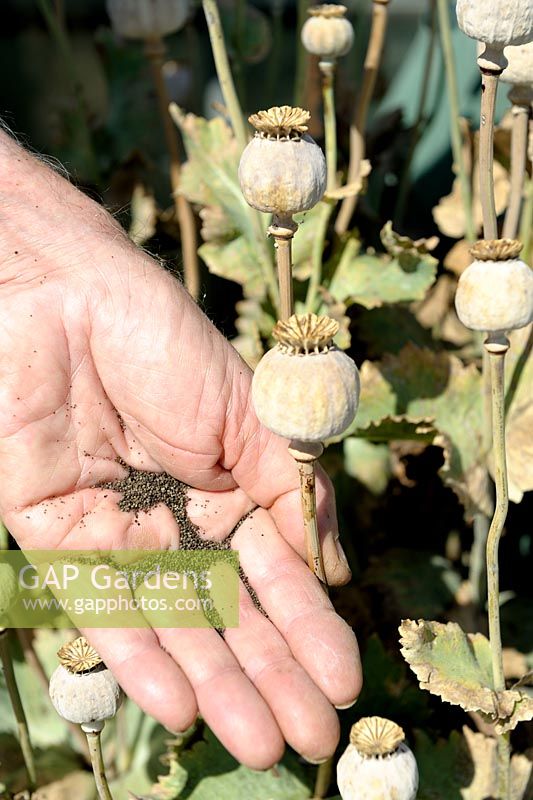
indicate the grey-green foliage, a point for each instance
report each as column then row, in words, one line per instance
column 207, row 771
column 388, row 688
column 45, row 725
column 427, row 396
column 372, row 281
column 457, row 667
column 416, row 584
column 54, row 763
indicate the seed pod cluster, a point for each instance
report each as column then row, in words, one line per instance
column 377, row 764
column 305, row 388
column 147, row 19
column 495, row 292
column 327, row 33
column 82, row 689
column 282, row 170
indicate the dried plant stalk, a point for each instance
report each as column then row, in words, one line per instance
column 519, row 141
column 357, row 128
column 324, row 774
column 55, row 21
column 489, row 87
column 306, row 454
column 155, row 51
column 317, row 253
column 327, row 69
column 283, row 232
column 526, row 222
column 18, row 708
column 34, row 662
column 497, row 347
column 455, row 130
column 220, row 55
column 97, row 761
column 308, row 491
column 302, row 57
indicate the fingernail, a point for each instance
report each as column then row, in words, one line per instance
column 175, row 733
column 317, row 762
column 341, row 554
column 346, row 705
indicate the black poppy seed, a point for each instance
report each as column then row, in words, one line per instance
column 142, row 490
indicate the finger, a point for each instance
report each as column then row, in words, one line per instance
column 217, row 514
column 306, row 718
column 229, row 703
column 148, row 675
column 297, row 605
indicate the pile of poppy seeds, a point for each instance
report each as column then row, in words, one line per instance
column 142, row 491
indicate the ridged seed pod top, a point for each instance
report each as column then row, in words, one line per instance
column 82, row 689
column 377, row 764
column 327, row 33
column 305, row 388
column 495, row 292
column 282, row 170
column 496, row 22
column 147, row 19
column 519, row 70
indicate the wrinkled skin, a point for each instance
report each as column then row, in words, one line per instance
column 89, row 325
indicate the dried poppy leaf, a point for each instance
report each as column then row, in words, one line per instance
column 519, row 404
column 397, row 244
column 465, row 767
column 354, row 188
column 449, row 212
column 430, row 397
column 457, row 667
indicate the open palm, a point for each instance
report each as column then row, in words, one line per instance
column 104, row 356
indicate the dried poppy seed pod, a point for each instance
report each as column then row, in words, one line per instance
column 82, row 689
column 519, row 70
column 496, row 23
column 282, row 170
column 147, row 19
column 377, row 764
column 327, row 33
column 305, row 388
column 495, row 292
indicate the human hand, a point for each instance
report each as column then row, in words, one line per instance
column 91, row 326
